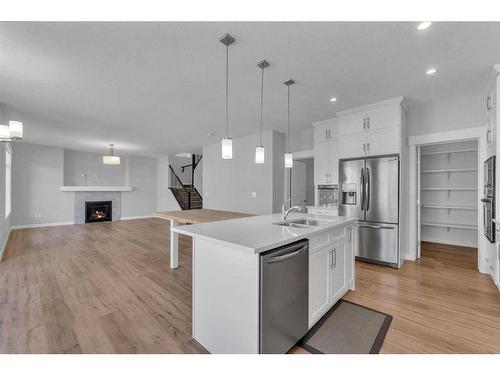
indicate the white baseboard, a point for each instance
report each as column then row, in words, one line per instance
column 4, row 245
column 136, row 217
column 41, row 225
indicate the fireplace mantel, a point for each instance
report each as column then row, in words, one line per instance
column 96, row 188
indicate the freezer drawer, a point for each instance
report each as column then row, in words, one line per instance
column 378, row 243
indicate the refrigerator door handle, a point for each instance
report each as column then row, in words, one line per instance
column 371, row 226
column 362, row 184
column 368, row 189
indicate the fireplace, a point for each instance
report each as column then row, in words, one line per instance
column 98, row 211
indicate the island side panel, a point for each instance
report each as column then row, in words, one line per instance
column 225, row 298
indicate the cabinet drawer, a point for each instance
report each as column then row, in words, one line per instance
column 320, row 240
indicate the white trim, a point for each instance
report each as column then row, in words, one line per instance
column 137, row 217
column 96, row 188
column 399, row 100
column 42, row 225
column 306, row 154
column 4, row 245
column 476, row 133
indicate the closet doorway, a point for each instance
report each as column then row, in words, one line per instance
column 445, row 183
column 448, row 195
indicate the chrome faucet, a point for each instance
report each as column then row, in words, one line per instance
column 284, row 214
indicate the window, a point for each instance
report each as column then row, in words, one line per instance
column 8, row 175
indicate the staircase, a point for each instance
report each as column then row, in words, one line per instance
column 187, row 196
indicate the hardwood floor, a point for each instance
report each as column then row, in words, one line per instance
column 107, row 288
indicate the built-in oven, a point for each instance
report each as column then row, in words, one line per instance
column 489, row 199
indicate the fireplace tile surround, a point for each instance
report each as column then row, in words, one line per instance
column 87, row 196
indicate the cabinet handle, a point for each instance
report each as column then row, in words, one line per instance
column 368, row 122
column 331, row 259
column 335, row 261
column 368, row 147
column 364, row 147
column 364, row 123
column 488, row 103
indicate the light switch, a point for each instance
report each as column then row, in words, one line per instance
column 254, row 194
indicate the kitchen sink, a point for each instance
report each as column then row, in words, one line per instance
column 301, row 223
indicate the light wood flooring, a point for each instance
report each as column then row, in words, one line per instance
column 108, row 288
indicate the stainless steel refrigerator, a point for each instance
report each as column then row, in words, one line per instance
column 369, row 189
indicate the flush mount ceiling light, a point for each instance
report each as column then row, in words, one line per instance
column 259, row 150
column 288, row 154
column 11, row 132
column 424, row 25
column 111, row 159
column 431, row 71
column 334, row 99
column 227, row 143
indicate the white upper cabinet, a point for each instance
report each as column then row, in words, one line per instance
column 371, row 130
column 326, row 160
column 492, row 115
column 325, row 131
column 352, row 124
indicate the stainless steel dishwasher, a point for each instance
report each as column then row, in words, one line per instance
column 284, row 297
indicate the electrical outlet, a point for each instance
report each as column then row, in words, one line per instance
column 254, row 194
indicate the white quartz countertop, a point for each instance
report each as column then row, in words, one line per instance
column 258, row 233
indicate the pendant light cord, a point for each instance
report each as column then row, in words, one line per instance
column 261, row 105
column 227, row 91
column 288, row 120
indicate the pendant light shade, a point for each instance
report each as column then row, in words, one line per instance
column 288, row 154
column 259, row 150
column 259, row 154
column 16, row 129
column 288, row 160
column 11, row 132
column 227, row 143
column 4, row 133
column 227, row 148
column 111, row 159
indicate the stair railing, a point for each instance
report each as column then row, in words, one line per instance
column 176, row 183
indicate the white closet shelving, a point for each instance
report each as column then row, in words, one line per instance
column 449, row 176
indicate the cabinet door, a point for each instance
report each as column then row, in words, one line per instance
column 321, row 133
column 333, row 158
column 319, row 283
column 383, row 141
column 349, row 257
column 351, row 145
column 385, row 117
column 338, row 271
column 321, row 164
column 351, row 124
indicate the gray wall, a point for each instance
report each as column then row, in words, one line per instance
column 460, row 112
column 141, row 201
column 279, row 149
column 98, row 174
column 309, row 181
column 228, row 184
column 4, row 223
column 37, row 176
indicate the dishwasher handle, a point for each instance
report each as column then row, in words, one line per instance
column 281, row 258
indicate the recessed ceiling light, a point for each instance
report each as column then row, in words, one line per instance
column 424, row 25
column 431, row 71
column 334, row 99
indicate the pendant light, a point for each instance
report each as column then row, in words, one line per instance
column 259, row 150
column 227, row 143
column 288, row 154
column 111, row 159
column 11, row 132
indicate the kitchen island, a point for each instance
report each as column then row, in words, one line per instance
column 227, row 273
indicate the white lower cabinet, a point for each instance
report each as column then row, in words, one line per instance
column 319, row 284
column 330, row 274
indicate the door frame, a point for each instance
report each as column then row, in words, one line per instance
column 476, row 133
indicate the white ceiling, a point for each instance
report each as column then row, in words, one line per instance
column 158, row 88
